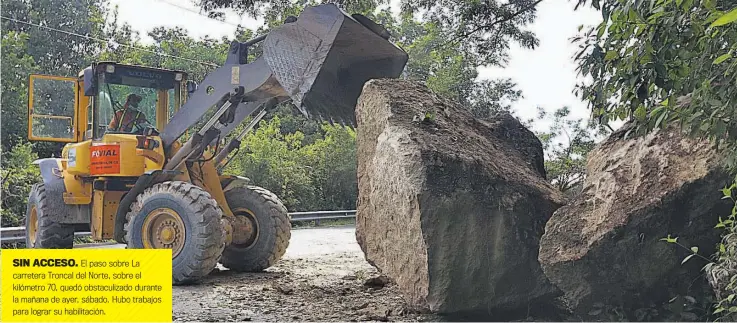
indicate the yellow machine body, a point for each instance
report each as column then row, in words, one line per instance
column 114, row 155
column 98, row 172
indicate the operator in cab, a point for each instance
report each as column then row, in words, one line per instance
column 129, row 119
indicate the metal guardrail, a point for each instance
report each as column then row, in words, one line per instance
column 18, row 234
column 322, row 215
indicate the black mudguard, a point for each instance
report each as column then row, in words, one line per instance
column 54, row 186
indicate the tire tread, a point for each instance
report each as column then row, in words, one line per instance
column 207, row 229
column 51, row 234
column 234, row 260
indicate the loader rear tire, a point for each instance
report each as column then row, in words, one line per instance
column 42, row 232
column 182, row 217
column 268, row 225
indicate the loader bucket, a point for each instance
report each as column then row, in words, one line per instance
column 323, row 59
column 320, row 61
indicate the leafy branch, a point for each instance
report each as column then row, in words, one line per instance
column 502, row 20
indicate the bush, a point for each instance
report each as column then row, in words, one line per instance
column 332, row 160
column 307, row 174
column 273, row 161
column 18, row 176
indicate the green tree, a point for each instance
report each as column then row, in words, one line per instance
column 177, row 42
column 332, row 160
column 274, row 9
column 123, row 39
column 56, row 52
column 662, row 62
column 16, row 66
column 274, row 161
column 292, row 121
column 482, row 30
column 445, row 47
column 566, row 144
column 319, row 175
column 446, row 70
column 491, row 96
column 18, row 175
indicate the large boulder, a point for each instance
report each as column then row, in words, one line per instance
column 604, row 248
column 450, row 207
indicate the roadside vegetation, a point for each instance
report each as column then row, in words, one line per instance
column 310, row 164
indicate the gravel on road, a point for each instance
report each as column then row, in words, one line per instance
column 322, row 277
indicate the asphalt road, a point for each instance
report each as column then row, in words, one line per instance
column 320, row 278
column 303, row 243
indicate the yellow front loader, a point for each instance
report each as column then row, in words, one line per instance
column 125, row 173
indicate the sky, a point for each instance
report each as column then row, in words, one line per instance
column 546, row 75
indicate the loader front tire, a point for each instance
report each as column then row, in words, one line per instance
column 182, row 217
column 42, row 232
column 262, row 230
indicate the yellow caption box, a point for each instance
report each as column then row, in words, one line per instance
column 86, row 285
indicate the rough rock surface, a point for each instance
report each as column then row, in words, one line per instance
column 605, row 245
column 450, row 207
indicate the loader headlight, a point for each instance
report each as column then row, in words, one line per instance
column 146, row 143
column 110, row 68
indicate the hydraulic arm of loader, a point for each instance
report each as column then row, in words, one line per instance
column 320, row 61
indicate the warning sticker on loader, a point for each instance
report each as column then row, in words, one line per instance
column 86, row 285
column 104, row 159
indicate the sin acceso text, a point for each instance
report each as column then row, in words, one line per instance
column 22, row 262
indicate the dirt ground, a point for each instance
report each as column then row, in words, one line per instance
column 321, row 278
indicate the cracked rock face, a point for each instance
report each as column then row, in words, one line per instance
column 604, row 246
column 450, row 207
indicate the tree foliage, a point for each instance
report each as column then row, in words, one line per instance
column 670, row 62
column 317, row 176
column 54, row 52
column 32, row 49
column 482, row 29
column 446, row 70
column 270, row 9
column 566, row 145
column 445, row 47
column 18, row 175
column 656, row 62
column 15, row 68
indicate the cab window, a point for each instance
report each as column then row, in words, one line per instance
column 130, row 100
column 114, row 99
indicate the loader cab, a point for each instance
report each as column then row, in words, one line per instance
column 110, row 84
column 71, row 110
